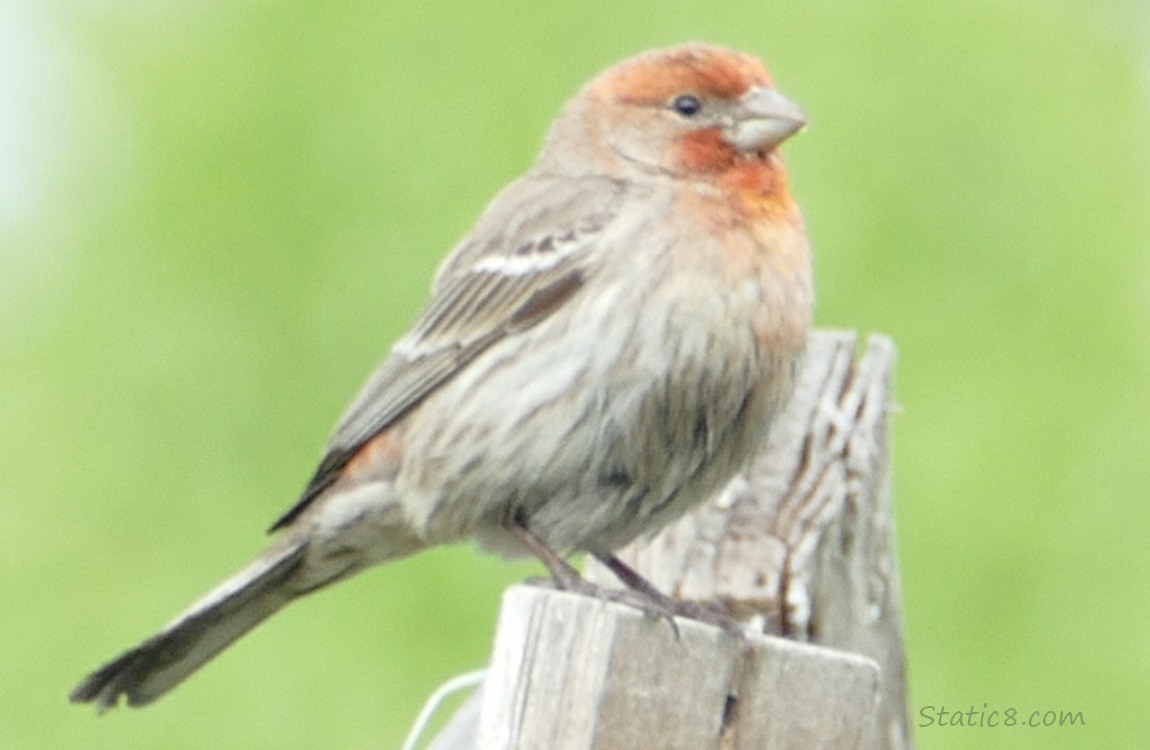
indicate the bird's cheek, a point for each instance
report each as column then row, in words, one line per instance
column 703, row 152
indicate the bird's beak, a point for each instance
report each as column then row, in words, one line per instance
column 764, row 118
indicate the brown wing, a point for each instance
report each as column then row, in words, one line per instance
column 495, row 295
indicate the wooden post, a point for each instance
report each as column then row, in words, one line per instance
column 800, row 548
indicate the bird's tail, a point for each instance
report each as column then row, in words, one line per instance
column 236, row 606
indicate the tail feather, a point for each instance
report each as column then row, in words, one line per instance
column 157, row 665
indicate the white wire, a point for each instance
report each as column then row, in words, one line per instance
column 442, row 693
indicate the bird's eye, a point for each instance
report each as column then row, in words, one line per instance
column 687, row 105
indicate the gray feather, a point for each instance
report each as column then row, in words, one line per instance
column 157, row 665
column 536, row 258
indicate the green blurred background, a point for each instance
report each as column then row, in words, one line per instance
column 215, row 216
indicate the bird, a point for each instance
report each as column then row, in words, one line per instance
column 606, row 349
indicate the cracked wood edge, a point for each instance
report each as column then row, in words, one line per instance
column 571, row 672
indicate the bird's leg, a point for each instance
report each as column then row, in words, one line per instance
column 566, row 577
column 640, row 592
column 668, row 606
column 633, row 580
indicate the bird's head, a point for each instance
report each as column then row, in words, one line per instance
column 690, row 111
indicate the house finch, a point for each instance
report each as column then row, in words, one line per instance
column 601, row 353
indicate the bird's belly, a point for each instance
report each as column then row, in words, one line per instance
column 591, row 434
